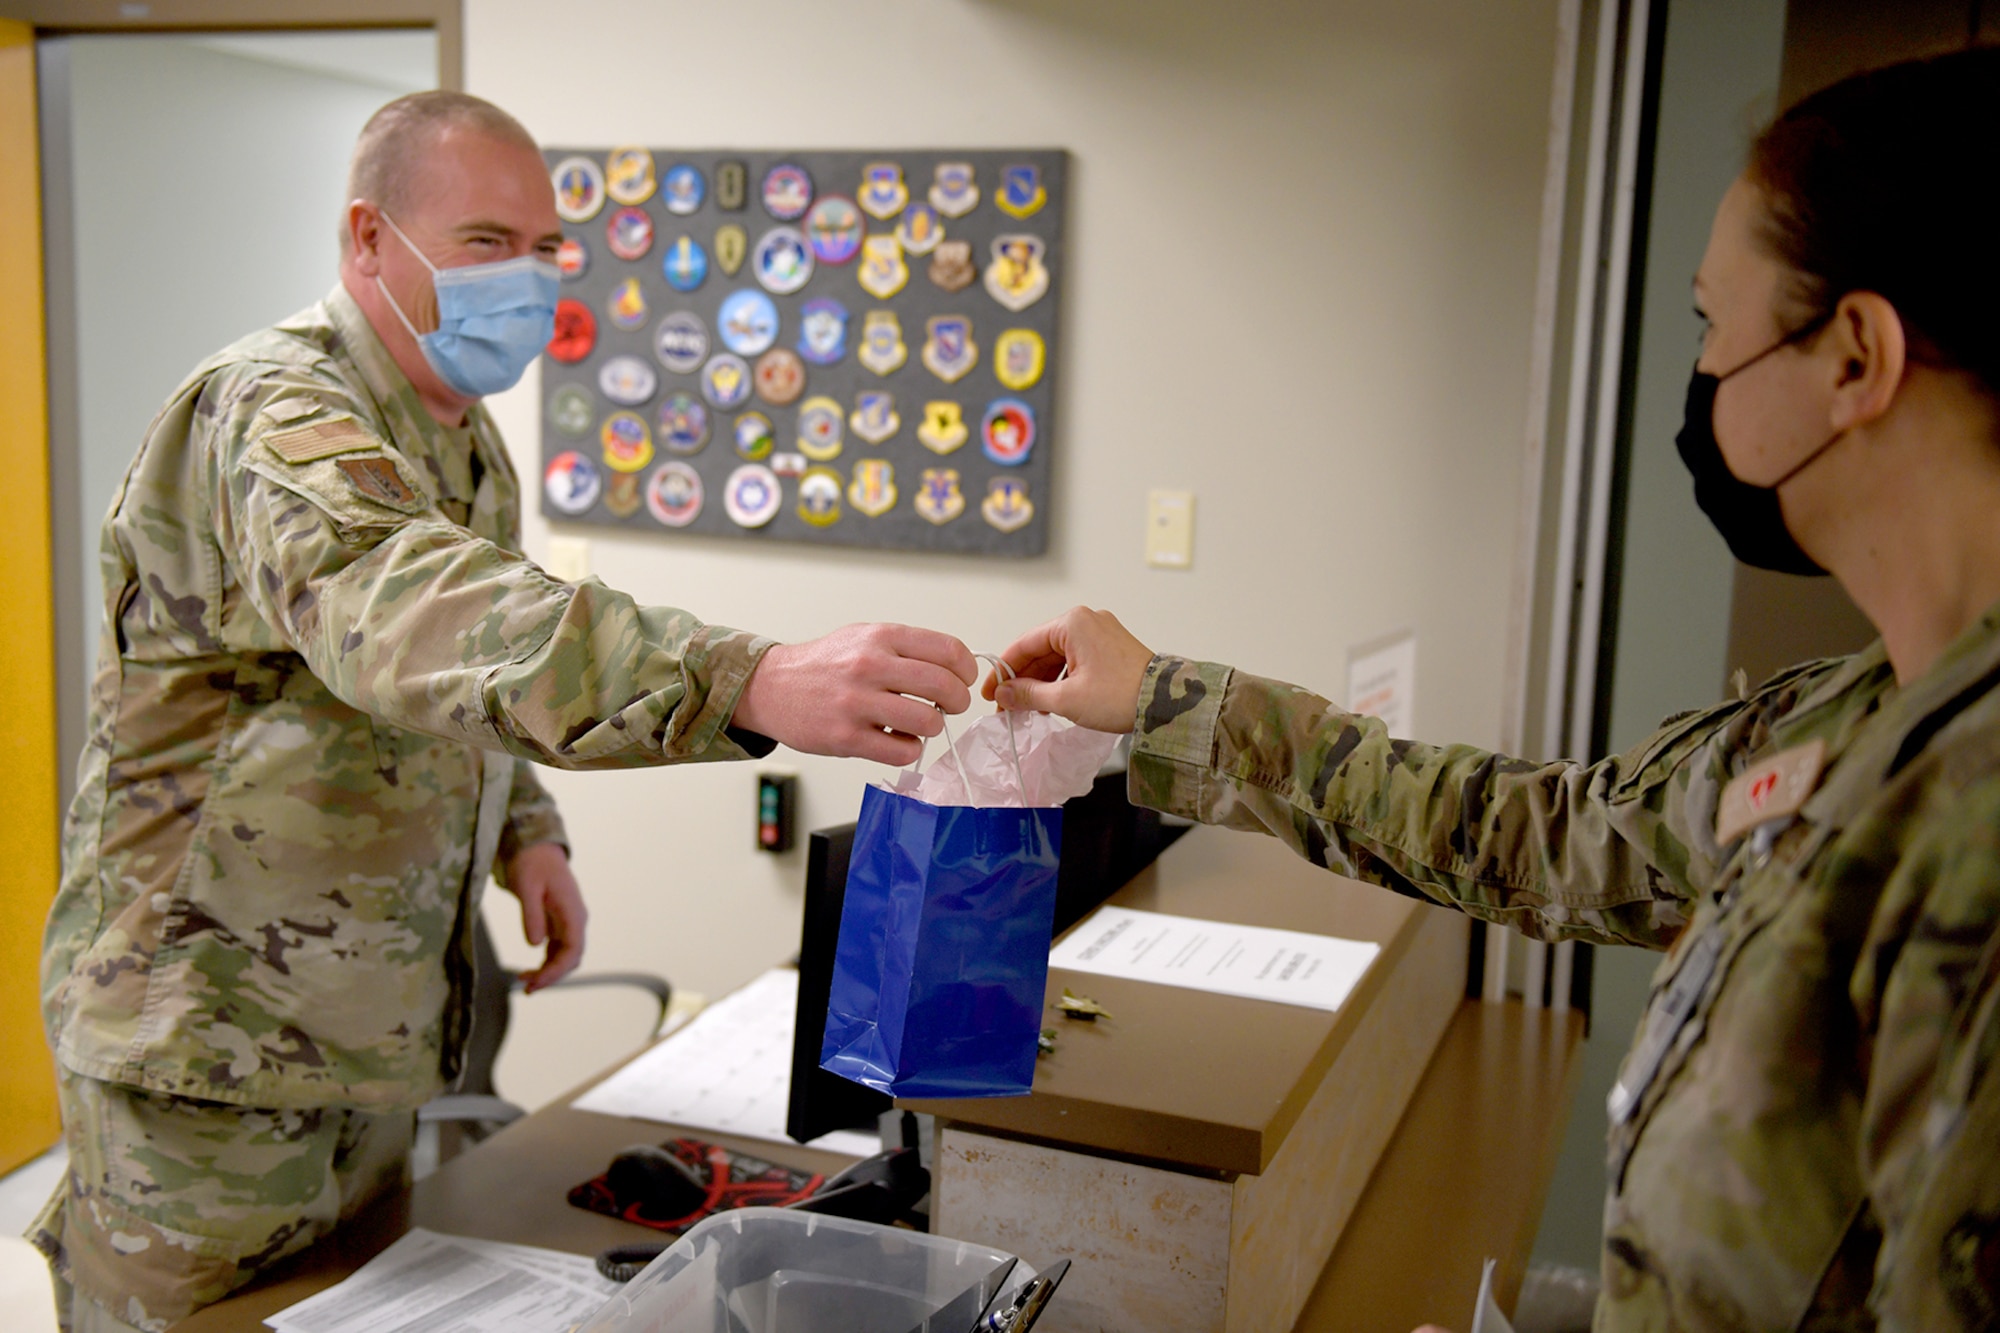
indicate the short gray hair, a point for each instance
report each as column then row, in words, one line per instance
column 388, row 157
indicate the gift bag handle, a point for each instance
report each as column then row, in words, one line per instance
column 1020, row 778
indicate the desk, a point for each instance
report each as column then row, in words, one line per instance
column 1463, row 1178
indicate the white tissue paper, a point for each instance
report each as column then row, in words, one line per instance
column 1058, row 760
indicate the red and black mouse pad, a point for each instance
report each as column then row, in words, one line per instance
column 733, row 1179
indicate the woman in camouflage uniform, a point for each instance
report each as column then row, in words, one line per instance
column 1807, row 1131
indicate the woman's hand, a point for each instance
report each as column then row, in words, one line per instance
column 1106, row 666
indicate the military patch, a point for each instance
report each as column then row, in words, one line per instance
column 882, row 349
column 833, row 228
column 882, row 191
column 627, row 381
column 628, row 175
column 681, row 342
column 754, row 440
column 682, row 190
column 1021, row 192
column 673, row 494
column 1006, row 505
column 951, row 266
column 783, row 262
column 321, row 439
column 788, row 192
column 949, row 351
column 378, row 479
column 883, row 272
column 684, row 265
column 683, row 425
column 781, row 376
column 1017, row 278
column 627, row 304
column 1018, row 355
column 572, row 258
column 572, row 482
column 819, row 497
column 732, row 181
column 821, row 425
column 725, row 381
column 919, row 230
column 1007, row 431
column 628, row 445
column 822, row 331
column 874, row 417
column 576, row 332
column 748, row 322
column 621, row 497
column 873, row 490
column 579, row 184
column 571, row 409
column 953, row 191
column 751, row 496
column 1775, row 788
column 943, row 428
column 789, row 465
column 938, row 499
column 732, row 243
column 629, row 233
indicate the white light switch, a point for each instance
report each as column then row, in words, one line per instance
column 1170, row 529
column 569, row 558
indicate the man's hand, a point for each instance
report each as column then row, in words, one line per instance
column 860, row 692
column 1106, row 665
column 552, row 910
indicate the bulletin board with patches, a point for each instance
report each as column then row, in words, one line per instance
column 847, row 348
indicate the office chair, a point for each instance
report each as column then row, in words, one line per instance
column 473, row 1110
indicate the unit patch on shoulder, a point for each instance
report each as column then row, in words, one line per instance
column 378, row 479
column 340, row 434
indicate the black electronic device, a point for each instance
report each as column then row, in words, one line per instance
column 1106, row 840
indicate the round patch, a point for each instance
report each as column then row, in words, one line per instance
column 572, row 258
column 628, row 175
column 682, row 190
column 628, row 445
column 781, row 376
column 572, row 482
column 627, row 381
column 834, row 230
column 751, row 496
column 783, row 261
column 681, row 342
column 788, row 192
column 627, row 306
column 821, row 424
column 576, row 332
column 754, row 438
column 579, row 184
column 725, row 381
column 571, row 409
column 673, row 494
column 819, row 496
column 748, row 322
column 684, row 265
column 1007, row 431
column 683, row 424
column 629, row 233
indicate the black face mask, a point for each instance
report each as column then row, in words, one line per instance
column 1748, row 517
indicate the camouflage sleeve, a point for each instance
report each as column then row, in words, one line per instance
column 1928, row 989
column 1610, row 852
column 327, row 531
column 532, row 817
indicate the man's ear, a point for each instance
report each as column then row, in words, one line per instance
column 364, row 237
column 1869, row 354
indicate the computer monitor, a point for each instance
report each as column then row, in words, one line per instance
column 1106, row 840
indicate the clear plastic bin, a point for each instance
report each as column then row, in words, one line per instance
column 774, row 1270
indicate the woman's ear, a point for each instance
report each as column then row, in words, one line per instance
column 1867, row 354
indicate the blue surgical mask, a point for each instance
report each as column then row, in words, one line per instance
column 493, row 319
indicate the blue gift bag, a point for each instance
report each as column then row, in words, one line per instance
column 943, row 956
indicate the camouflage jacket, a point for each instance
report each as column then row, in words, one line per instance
column 1810, row 1129
column 322, row 655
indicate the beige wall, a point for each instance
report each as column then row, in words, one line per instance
column 1303, row 241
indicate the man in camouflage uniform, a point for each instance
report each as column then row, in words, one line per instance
column 1807, row 1132
column 323, row 659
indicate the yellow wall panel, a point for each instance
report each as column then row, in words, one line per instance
column 28, row 815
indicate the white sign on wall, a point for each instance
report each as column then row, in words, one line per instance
column 1382, row 682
